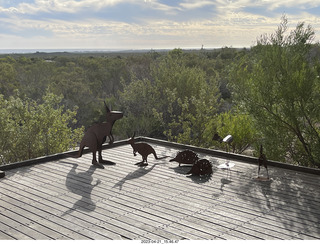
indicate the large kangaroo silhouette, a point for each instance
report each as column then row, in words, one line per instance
column 97, row 134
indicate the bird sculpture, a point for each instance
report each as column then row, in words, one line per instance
column 227, row 140
column 262, row 161
column 216, row 137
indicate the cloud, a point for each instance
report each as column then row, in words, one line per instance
column 67, row 6
column 146, row 23
column 196, row 4
column 299, row 4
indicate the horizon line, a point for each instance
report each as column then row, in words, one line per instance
column 86, row 50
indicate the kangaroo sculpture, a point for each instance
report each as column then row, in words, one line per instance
column 97, row 134
column 144, row 150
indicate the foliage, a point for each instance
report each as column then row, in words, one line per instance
column 268, row 94
column 175, row 99
column 240, row 126
column 7, row 76
column 29, row 129
column 279, row 86
column 138, row 100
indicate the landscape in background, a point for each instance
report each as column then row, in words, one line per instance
column 264, row 95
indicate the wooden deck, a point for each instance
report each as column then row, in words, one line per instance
column 70, row 199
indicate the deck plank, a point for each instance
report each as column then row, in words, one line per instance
column 71, row 199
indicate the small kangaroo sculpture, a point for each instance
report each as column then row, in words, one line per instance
column 97, row 134
column 144, row 150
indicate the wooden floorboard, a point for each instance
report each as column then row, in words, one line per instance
column 71, row 199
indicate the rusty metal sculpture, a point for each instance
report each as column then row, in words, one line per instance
column 262, row 161
column 227, row 166
column 185, row 157
column 97, row 134
column 144, row 150
column 201, row 167
column 227, row 140
column 216, row 137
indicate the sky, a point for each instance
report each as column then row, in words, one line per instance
column 147, row 24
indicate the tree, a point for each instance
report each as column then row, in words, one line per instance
column 8, row 82
column 188, row 97
column 29, row 129
column 34, row 76
column 139, row 101
column 175, row 103
column 278, row 84
column 234, row 123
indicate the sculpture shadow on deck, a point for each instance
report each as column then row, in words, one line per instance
column 140, row 172
column 81, row 184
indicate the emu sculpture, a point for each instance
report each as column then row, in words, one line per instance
column 218, row 138
column 262, row 160
column 97, row 134
column 144, row 150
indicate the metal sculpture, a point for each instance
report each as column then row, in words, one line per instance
column 227, row 166
column 97, row 134
column 227, row 140
column 144, row 150
column 201, row 167
column 185, row 157
column 262, row 161
column 216, row 137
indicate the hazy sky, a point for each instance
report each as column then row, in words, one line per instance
column 146, row 24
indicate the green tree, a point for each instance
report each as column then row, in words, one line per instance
column 239, row 125
column 194, row 98
column 278, row 84
column 8, row 75
column 191, row 125
column 34, row 76
column 139, row 101
column 175, row 103
column 30, row 130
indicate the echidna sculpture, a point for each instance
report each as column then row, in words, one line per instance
column 201, row 167
column 185, row 157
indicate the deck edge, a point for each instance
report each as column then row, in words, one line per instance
column 213, row 152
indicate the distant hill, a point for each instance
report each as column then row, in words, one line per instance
column 52, row 53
